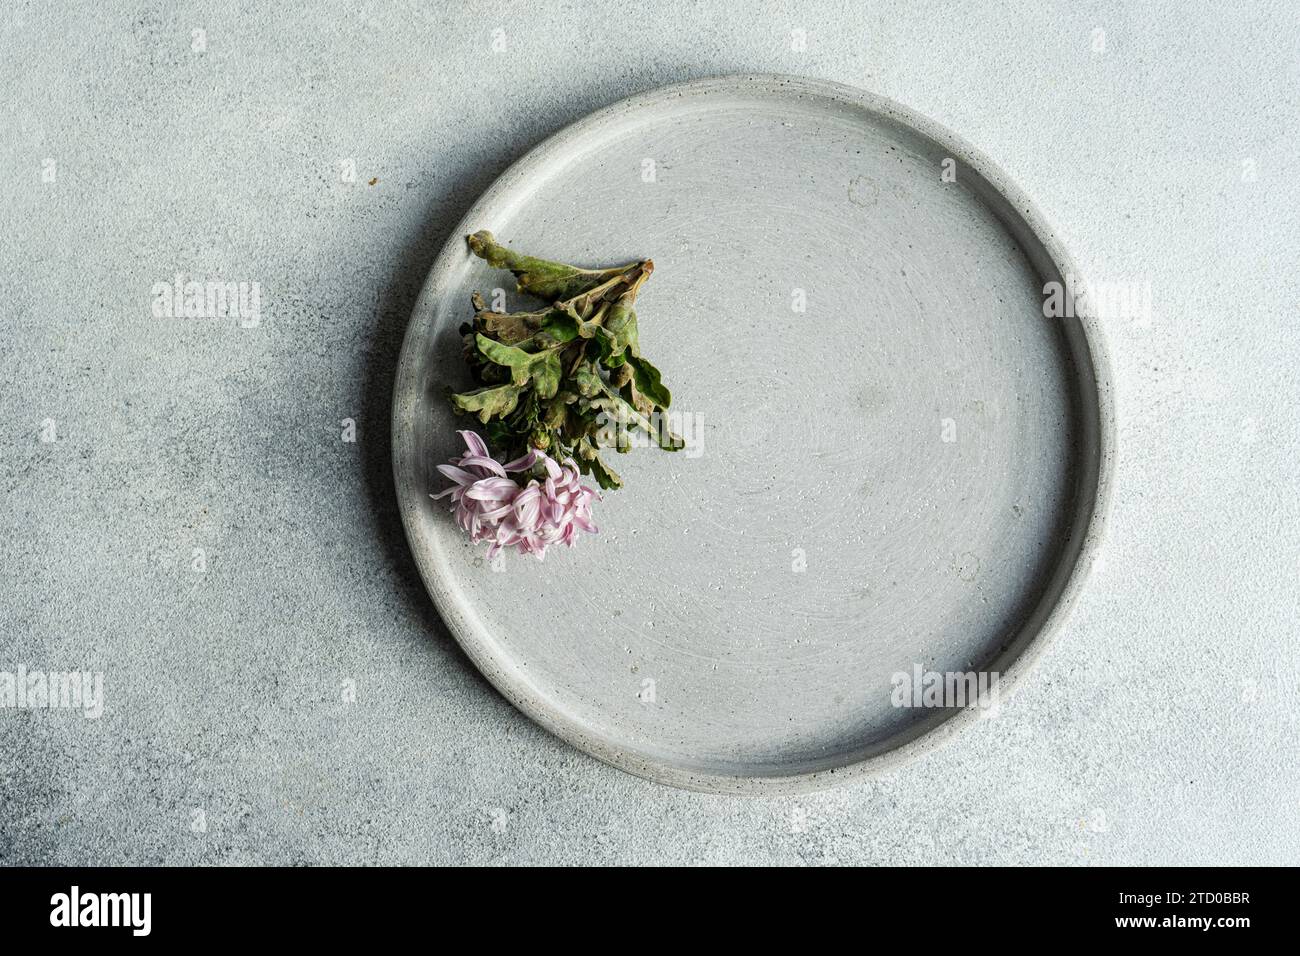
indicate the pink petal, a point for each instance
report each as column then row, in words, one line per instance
column 496, row 514
column 475, row 444
column 458, row 475
column 524, row 463
column 491, row 489
column 478, row 461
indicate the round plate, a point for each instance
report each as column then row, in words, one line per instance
column 895, row 460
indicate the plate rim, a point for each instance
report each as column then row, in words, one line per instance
column 477, row 644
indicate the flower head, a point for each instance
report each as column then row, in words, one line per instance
column 491, row 506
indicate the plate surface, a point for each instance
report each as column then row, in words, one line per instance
column 895, row 459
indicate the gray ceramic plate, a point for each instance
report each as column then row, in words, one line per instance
column 896, row 460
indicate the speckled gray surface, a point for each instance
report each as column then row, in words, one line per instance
column 1160, row 728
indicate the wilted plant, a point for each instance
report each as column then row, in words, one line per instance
column 568, row 379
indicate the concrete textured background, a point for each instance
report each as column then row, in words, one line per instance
column 1162, row 727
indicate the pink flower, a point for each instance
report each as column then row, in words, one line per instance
column 493, row 507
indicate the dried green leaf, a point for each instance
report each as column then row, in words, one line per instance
column 546, row 371
column 587, row 380
column 666, row 439
column 541, row 277
column 591, row 305
column 620, row 326
column 561, row 326
column 543, row 369
column 648, row 383
column 622, row 413
column 589, row 463
column 511, row 328
column 515, row 359
column 488, row 403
